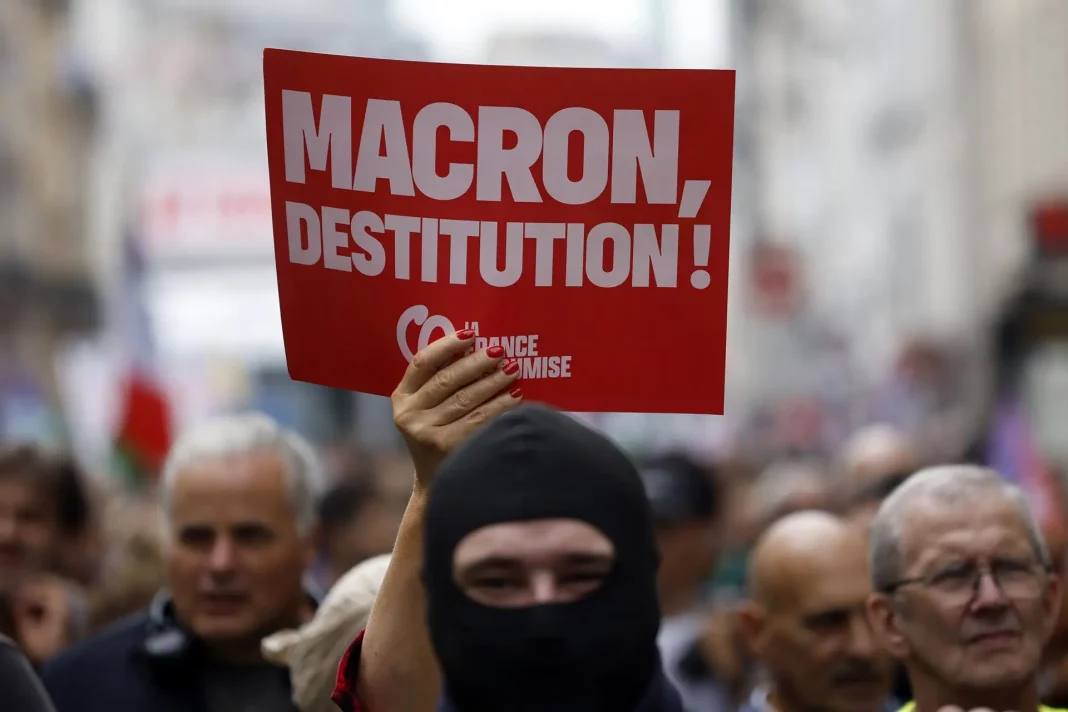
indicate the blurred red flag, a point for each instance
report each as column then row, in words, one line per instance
column 145, row 426
column 144, row 429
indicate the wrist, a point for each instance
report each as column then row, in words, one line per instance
column 420, row 493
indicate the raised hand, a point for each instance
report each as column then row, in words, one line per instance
column 445, row 395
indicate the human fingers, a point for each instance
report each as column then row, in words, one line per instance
column 446, row 382
column 461, row 403
column 457, row 432
column 433, row 358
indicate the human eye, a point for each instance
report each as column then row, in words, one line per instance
column 1013, row 569
column 952, row 576
column 826, row 621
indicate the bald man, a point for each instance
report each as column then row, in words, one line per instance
column 806, row 619
column 873, row 463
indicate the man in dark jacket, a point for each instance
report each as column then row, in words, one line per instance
column 20, row 690
column 239, row 497
column 537, row 558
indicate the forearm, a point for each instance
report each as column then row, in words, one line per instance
column 398, row 671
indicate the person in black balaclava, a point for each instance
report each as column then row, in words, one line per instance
column 534, row 469
column 523, row 578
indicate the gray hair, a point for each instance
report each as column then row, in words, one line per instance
column 951, row 485
column 780, row 482
column 232, row 435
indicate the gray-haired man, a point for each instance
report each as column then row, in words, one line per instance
column 239, row 499
column 964, row 594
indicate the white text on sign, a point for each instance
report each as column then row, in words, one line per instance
column 521, row 348
column 613, row 157
column 605, row 255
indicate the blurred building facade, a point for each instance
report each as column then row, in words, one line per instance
column 886, row 154
column 899, row 146
column 1022, row 112
column 46, row 287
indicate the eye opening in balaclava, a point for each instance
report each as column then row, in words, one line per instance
column 596, row 653
column 516, row 564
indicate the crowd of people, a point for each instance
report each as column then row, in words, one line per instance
column 528, row 565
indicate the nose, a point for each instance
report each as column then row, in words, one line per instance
column 988, row 593
column 223, row 556
column 543, row 587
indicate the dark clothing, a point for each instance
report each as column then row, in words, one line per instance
column 20, row 690
column 115, row 670
column 255, row 688
column 661, row 696
column 902, row 687
column 596, row 654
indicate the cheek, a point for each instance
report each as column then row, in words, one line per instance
column 933, row 629
column 823, row 650
column 788, row 652
column 1042, row 619
column 183, row 568
column 39, row 535
column 274, row 564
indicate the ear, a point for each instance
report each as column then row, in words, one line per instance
column 885, row 624
column 1051, row 603
column 752, row 623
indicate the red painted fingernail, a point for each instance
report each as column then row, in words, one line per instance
column 495, row 351
column 511, row 368
column 465, row 334
column 516, row 392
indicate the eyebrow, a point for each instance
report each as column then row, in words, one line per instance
column 246, row 526
column 495, row 563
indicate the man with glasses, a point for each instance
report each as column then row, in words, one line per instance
column 964, row 592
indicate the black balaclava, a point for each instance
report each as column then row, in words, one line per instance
column 598, row 653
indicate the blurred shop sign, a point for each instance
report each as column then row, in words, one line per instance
column 206, row 208
column 1049, row 231
column 245, row 323
column 1049, row 222
column 775, row 280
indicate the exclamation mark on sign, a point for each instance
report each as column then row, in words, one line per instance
column 702, row 243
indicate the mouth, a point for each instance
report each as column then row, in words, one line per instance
column 856, row 683
column 223, row 603
column 994, row 638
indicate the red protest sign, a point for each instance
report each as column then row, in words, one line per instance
column 579, row 218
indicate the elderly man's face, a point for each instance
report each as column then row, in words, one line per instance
column 816, row 641
column 975, row 607
column 237, row 556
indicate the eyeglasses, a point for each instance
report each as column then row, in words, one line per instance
column 958, row 584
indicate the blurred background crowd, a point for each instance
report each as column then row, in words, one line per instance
column 899, row 266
